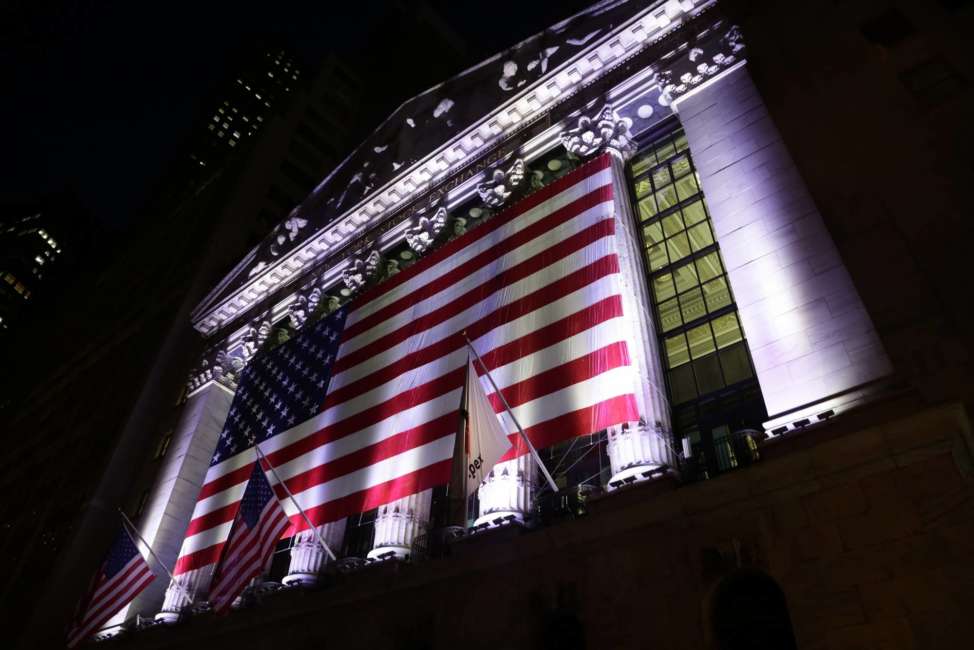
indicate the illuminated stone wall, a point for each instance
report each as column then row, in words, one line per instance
column 809, row 333
column 178, row 483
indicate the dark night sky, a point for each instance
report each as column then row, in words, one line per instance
column 98, row 96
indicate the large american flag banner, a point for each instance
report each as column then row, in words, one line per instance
column 538, row 291
column 121, row 577
column 256, row 530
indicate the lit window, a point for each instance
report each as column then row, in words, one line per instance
column 216, row 118
column 10, row 279
column 257, row 95
column 236, row 134
column 19, row 287
column 245, row 118
column 233, row 143
column 225, row 125
column 260, row 119
column 219, row 134
column 701, row 338
column 39, row 259
column 211, row 127
column 220, row 110
column 43, row 233
column 270, row 74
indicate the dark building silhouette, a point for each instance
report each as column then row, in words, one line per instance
column 108, row 359
column 41, row 243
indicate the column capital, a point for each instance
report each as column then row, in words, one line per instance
column 363, row 267
column 400, row 523
column 606, row 130
column 425, row 228
column 633, row 449
column 308, row 558
column 501, row 184
column 508, row 490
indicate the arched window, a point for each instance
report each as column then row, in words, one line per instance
column 749, row 612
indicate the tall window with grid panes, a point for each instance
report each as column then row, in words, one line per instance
column 710, row 377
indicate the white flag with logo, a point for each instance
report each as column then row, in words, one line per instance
column 487, row 440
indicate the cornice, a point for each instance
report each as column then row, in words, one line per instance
column 643, row 28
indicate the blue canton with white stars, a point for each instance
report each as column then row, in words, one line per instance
column 121, row 553
column 282, row 387
column 255, row 497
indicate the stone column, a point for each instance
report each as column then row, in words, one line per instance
column 508, row 490
column 183, row 592
column 307, row 556
column 172, row 498
column 400, row 522
column 643, row 445
column 633, row 448
column 813, row 343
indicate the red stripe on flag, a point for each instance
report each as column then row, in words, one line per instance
column 578, row 370
column 565, row 427
column 397, row 488
column 513, row 212
column 421, row 435
column 228, row 480
column 545, row 258
column 458, row 273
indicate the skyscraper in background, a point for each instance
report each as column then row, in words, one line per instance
column 41, row 242
column 123, row 324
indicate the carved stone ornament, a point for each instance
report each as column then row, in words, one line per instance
column 253, row 339
column 220, row 365
column 425, row 230
column 604, row 130
column 495, row 191
column 298, row 311
column 258, row 267
column 702, row 62
column 361, row 269
column 314, row 299
column 287, row 233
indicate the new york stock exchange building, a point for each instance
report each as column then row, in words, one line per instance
column 668, row 297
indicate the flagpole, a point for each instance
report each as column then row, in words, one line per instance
column 132, row 529
column 321, row 541
column 534, row 452
column 464, row 428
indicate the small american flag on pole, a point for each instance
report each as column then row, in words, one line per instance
column 122, row 576
column 258, row 526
